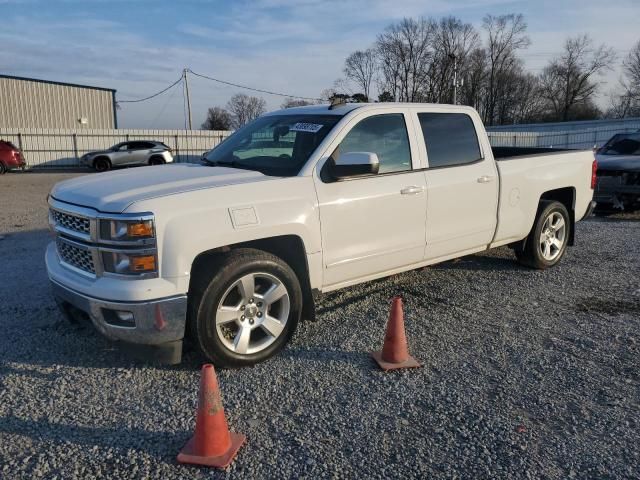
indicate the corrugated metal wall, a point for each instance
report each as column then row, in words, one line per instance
column 39, row 104
column 56, row 148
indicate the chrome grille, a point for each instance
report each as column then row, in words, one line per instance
column 76, row 257
column 71, row 222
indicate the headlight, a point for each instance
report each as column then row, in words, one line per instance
column 132, row 263
column 138, row 230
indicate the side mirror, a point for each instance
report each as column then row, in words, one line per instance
column 355, row 164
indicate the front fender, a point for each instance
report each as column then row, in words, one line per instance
column 191, row 223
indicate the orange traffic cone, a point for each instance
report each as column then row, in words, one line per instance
column 395, row 353
column 212, row 444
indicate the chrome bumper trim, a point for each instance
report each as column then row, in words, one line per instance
column 156, row 321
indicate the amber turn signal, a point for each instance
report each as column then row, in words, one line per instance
column 140, row 229
column 146, row 263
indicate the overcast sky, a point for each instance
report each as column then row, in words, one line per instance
column 141, row 46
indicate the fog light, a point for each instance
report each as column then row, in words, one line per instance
column 119, row 318
column 125, row 316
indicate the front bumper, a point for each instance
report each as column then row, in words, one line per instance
column 158, row 325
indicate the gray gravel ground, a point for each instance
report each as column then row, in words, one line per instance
column 526, row 374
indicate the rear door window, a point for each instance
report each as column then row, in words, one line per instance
column 450, row 138
column 138, row 146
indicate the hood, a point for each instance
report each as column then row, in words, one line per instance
column 97, row 152
column 113, row 192
column 630, row 163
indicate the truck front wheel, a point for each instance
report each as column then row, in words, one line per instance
column 245, row 308
column 547, row 242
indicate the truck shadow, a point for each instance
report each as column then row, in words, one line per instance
column 326, row 356
column 483, row 263
column 160, row 444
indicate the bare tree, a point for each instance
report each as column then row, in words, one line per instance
column 506, row 35
column 244, row 109
column 568, row 81
column 622, row 104
column 631, row 70
column 475, row 75
column 453, row 41
column 528, row 106
column 404, row 52
column 360, row 68
column 217, row 119
column 626, row 103
column 294, row 102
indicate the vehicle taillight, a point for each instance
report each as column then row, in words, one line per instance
column 594, row 170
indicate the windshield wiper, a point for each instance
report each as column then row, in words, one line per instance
column 232, row 164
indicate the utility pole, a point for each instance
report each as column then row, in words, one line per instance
column 186, row 87
column 455, row 77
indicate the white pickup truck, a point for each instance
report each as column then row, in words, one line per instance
column 232, row 253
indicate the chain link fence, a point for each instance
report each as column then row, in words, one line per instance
column 570, row 139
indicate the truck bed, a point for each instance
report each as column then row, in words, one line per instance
column 508, row 153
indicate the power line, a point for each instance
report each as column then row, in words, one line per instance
column 173, row 93
column 152, row 96
column 251, row 88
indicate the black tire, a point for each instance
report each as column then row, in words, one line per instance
column 211, row 286
column 3, row 169
column 157, row 160
column 102, row 164
column 532, row 255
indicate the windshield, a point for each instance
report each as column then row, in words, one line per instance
column 276, row 145
column 622, row 144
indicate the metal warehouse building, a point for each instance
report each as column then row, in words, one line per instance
column 32, row 103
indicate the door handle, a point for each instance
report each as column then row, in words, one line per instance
column 484, row 179
column 412, row 190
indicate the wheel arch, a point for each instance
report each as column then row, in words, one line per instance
column 566, row 196
column 99, row 157
column 289, row 248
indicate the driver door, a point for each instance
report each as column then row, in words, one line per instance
column 374, row 224
column 121, row 155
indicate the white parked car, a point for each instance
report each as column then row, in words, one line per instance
column 300, row 202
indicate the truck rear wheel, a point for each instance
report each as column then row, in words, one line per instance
column 547, row 242
column 245, row 308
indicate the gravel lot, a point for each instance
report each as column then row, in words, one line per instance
column 526, row 374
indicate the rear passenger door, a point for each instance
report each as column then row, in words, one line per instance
column 462, row 185
column 139, row 152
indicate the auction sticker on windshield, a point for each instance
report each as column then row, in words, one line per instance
column 306, row 127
